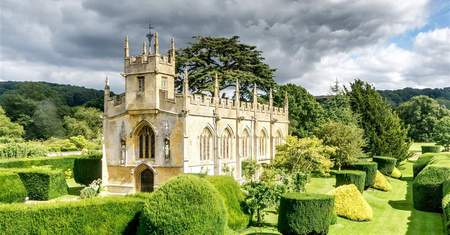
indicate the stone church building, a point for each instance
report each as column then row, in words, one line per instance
column 151, row 133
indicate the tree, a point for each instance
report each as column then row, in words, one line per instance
column 304, row 155
column 227, row 57
column 84, row 121
column 305, row 113
column 46, row 122
column 383, row 129
column 347, row 139
column 337, row 108
column 442, row 132
column 421, row 113
column 8, row 128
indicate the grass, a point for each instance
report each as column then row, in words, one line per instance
column 393, row 211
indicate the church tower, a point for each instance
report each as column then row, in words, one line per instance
column 149, row 76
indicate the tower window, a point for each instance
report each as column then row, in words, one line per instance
column 141, row 83
column 164, row 83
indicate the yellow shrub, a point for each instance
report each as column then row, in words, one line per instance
column 381, row 182
column 396, row 173
column 350, row 203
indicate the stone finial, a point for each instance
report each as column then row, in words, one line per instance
column 255, row 94
column 186, row 82
column 156, row 43
column 126, row 48
column 172, row 50
column 270, row 97
column 144, row 48
column 286, row 100
column 237, row 90
column 106, row 83
column 216, row 86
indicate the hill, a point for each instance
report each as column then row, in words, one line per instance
column 396, row 97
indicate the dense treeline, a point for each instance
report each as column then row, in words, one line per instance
column 396, row 97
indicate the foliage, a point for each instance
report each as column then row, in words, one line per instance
column 302, row 213
column 227, row 57
column 303, row 155
column 431, row 148
column 442, row 132
column 369, row 167
column 427, row 186
column 60, row 145
column 338, row 109
column 396, row 173
column 383, row 130
column 259, row 196
column 23, row 150
column 349, row 203
column 9, row 128
column 110, row 215
column 11, row 188
column 42, row 183
column 346, row 139
column 422, row 114
column 230, row 191
column 86, row 122
column 396, row 97
column 249, row 168
column 385, row 164
column 446, row 205
column 92, row 190
column 184, row 205
column 345, row 177
column 86, row 170
column 422, row 162
column 46, row 122
column 60, row 163
column 381, row 182
column 305, row 113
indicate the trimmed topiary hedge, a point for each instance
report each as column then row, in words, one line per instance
column 427, row 187
column 422, row 162
column 233, row 198
column 357, row 178
column 114, row 215
column 184, row 205
column 431, row 148
column 446, row 205
column 86, row 170
column 385, row 164
column 62, row 163
column 369, row 167
column 11, row 188
column 43, row 183
column 305, row 213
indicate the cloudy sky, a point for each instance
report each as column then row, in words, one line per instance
column 392, row 44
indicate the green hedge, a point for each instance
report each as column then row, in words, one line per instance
column 86, row 170
column 304, row 213
column 446, row 205
column 11, row 188
column 369, row 167
column 385, row 164
column 115, row 215
column 421, row 163
column 23, row 150
column 62, row 163
column 427, row 187
column 43, row 183
column 233, row 198
column 431, row 148
column 184, row 205
column 357, row 178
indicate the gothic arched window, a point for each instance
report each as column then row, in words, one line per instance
column 262, row 144
column 226, row 144
column 146, row 143
column 206, row 144
column 246, row 144
column 278, row 138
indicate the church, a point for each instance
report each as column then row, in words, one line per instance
column 152, row 133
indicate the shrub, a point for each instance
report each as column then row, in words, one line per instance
column 431, row 148
column 61, row 163
column 369, row 167
column 86, row 170
column 23, row 150
column 427, row 187
column 92, row 190
column 233, row 198
column 381, row 182
column 60, row 145
column 385, row 164
column 43, row 183
column 446, row 205
column 396, row 173
column 11, row 188
column 304, row 213
column 351, row 177
column 421, row 163
column 114, row 215
column 184, row 205
column 350, row 203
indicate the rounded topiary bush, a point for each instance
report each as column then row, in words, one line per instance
column 349, row 203
column 385, row 164
column 369, row 167
column 428, row 189
column 381, row 182
column 357, row 178
column 431, row 148
column 305, row 213
column 233, row 198
column 396, row 173
column 184, row 205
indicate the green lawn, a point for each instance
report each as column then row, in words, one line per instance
column 393, row 211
